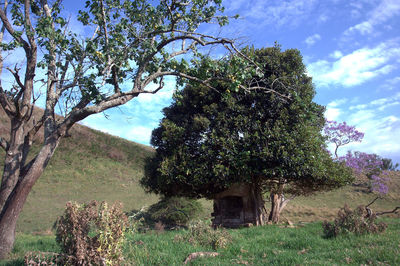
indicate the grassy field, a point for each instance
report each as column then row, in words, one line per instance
column 268, row 245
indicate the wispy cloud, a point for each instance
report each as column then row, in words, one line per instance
column 312, row 39
column 382, row 129
column 357, row 67
column 136, row 119
column 382, row 13
column 333, row 111
column 391, row 84
column 276, row 13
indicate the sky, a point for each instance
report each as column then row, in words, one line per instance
column 351, row 49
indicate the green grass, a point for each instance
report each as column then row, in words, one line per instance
column 89, row 165
column 268, row 245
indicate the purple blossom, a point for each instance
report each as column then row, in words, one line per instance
column 369, row 165
column 341, row 134
column 379, row 184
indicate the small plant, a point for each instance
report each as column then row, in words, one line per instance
column 201, row 233
column 175, row 211
column 92, row 233
column 170, row 212
column 358, row 221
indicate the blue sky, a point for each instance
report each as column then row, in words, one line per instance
column 351, row 49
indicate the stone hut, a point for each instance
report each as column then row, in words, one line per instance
column 233, row 207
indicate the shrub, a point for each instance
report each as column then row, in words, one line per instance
column 170, row 212
column 201, row 233
column 357, row 221
column 175, row 211
column 92, row 233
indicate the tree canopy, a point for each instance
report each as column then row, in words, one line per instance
column 212, row 138
column 105, row 58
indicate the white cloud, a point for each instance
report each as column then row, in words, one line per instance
column 336, row 54
column 140, row 134
column 323, row 18
column 276, row 13
column 332, row 114
column 391, row 84
column 338, row 102
column 357, row 67
column 359, row 107
column 312, row 39
column 382, row 13
column 382, row 129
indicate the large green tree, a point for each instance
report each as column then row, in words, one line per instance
column 124, row 46
column 213, row 137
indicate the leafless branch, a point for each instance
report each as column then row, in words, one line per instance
column 18, row 80
column 388, row 212
column 372, row 202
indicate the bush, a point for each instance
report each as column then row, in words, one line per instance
column 175, row 211
column 168, row 212
column 201, row 233
column 357, row 221
column 92, row 233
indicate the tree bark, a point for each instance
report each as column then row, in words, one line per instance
column 12, row 161
column 276, row 199
column 278, row 203
column 16, row 199
column 258, row 205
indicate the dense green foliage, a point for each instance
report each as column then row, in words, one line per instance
column 267, row 245
column 211, row 138
column 387, row 164
column 171, row 212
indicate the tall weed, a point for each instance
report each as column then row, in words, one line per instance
column 92, row 233
column 357, row 221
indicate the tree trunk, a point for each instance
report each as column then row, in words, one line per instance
column 258, row 205
column 16, row 199
column 12, row 161
column 276, row 199
column 277, row 203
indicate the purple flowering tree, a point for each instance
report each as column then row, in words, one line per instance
column 341, row 134
column 371, row 166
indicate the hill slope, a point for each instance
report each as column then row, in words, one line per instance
column 88, row 165
column 94, row 165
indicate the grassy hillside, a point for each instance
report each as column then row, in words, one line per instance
column 94, row 165
column 324, row 206
column 88, row 165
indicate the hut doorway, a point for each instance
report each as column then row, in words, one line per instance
column 233, row 207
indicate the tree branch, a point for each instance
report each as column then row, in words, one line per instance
column 6, row 104
column 30, row 32
column 4, row 144
column 18, row 80
column 388, row 212
column 10, row 30
column 3, row 28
